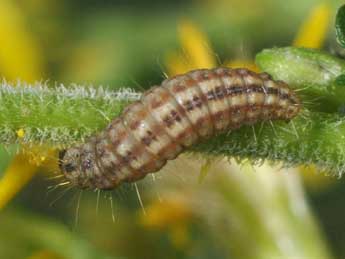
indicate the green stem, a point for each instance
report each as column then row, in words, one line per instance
column 59, row 115
column 313, row 138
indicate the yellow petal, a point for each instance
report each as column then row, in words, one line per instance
column 18, row 173
column 196, row 46
column 313, row 31
column 19, row 52
column 20, row 58
column 237, row 63
column 166, row 214
column 176, row 64
column 39, row 155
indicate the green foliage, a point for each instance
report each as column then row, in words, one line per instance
column 313, row 71
column 42, row 232
column 340, row 26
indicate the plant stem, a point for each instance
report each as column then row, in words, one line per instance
column 56, row 116
column 316, row 138
column 59, row 116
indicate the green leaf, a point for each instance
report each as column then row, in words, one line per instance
column 313, row 71
column 340, row 26
column 340, row 80
column 301, row 66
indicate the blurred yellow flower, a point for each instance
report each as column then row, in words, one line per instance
column 313, row 31
column 19, row 51
column 20, row 58
column 18, row 173
column 172, row 215
column 196, row 46
column 162, row 214
column 176, row 64
column 196, row 51
column 40, row 155
column 20, row 133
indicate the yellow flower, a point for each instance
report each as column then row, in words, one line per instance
column 176, row 64
column 172, row 215
column 313, row 31
column 41, row 155
column 196, row 46
column 19, row 51
column 18, row 173
column 20, row 133
column 20, row 58
column 162, row 214
column 196, row 49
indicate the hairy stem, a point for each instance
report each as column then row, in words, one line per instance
column 61, row 116
column 312, row 138
column 57, row 116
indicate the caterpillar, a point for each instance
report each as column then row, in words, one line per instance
column 169, row 118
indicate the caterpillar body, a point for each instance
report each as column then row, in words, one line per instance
column 171, row 117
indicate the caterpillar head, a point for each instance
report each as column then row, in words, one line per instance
column 69, row 163
column 79, row 167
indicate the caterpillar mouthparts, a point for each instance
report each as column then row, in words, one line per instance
column 168, row 118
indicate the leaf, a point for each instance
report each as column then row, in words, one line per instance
column 313, row 71
column 340, row 26
column 340, row 80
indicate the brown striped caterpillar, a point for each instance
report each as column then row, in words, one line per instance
column 173, row 116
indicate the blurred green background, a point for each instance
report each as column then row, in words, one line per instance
column 235, row 212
